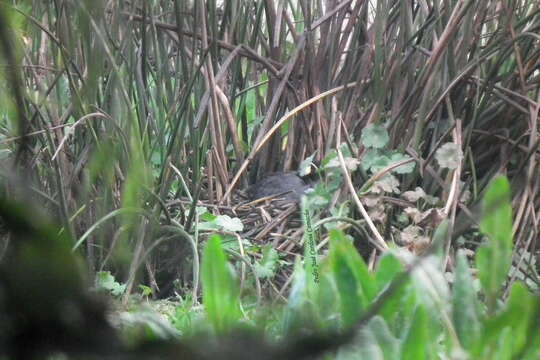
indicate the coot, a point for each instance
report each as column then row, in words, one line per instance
column 279, row 183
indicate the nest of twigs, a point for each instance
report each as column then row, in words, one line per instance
column 267, row 220
column 271, row 220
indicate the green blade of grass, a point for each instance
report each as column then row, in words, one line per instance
column 221, row 297
column 494, row 258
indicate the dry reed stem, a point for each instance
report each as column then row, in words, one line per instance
column 277, row 125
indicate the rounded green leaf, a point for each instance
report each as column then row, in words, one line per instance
column 375, row 136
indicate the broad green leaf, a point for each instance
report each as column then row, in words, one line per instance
column 330, row 161
column 220, row 222
column 331, row 155
column 266, row 267
column 145, row 290
column 502, row 350
column 439, row 238
column 297, row 312
column 387, row 184
column 522, row 309
column 389, row 267
column 355, row 284
column 200, row 210
column 449, row 156
column 515, row 330
column 387, row 342
column 230, row 224
column 305, row 167
column 145, row 325
column 365, row 279
column 414, row 346
column 493, row 259
column 464, row 304
column 349, row 294
column 379, row 163
column 414, row 196
column 105, row 281
column 375, row 136
column 297, row 294
column 327, row 299
column 403, row 169
column 399, row 308
column 366, row 348
column 370, row 158
column 351, row 163
column 220, row 292
column 430, row 283
column 205, row 215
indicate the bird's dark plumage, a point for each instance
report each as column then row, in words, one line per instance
column 289, row 184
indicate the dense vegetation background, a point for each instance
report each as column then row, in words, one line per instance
column 134, row 126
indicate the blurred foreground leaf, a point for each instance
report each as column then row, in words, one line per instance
column 494, row 258
column 220, row 291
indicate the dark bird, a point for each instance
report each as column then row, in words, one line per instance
column 286, row 185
